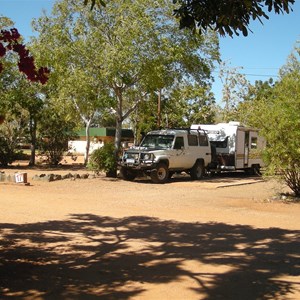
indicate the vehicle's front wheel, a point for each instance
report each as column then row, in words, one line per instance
column 127, row 174
column 160, row 174
column 197, row 171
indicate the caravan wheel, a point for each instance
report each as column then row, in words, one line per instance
column 254, row 170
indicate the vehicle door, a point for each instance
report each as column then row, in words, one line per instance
column 177, row 158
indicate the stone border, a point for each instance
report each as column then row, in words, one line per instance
column 54, row 177
column 11, row 178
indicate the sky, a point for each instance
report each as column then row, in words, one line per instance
column 260, row 55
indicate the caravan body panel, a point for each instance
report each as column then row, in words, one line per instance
column 237, row 147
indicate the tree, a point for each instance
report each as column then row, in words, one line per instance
column 10, row 41
column 226, row 17
column 250, row 111
column 27, row 99
column 11, row 132
column 89, row 100
column 55, row 130
column 189, row 104
column 274, row 108
column 131, row 57
column 235, row 89
column 282, row 130
column 293, row 61
column 77, row 84
column 14, row 91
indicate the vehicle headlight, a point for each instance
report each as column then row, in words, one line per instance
column 148, row 156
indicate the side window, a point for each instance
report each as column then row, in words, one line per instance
column 203, row 141
column 179, row 143
column 254, row 143
column 192, row 140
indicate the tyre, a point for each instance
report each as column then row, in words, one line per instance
column 256, row 170
column 253, row 171
column 197, row 171
column 160, row 174
column 127, row 174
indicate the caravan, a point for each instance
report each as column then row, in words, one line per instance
column 234, row 147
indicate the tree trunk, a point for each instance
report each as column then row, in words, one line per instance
column 118, row 137
column 119, row 122
column 88, row 142
column 159, row 109
column 32, row 129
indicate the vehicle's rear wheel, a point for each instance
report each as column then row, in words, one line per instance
column 160, row 174
column 197, row 171
column 127, row 174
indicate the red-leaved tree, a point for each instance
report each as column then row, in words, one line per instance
column 9, row 41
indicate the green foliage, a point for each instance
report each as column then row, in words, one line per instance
column 191, row 104
column 234, row 91
column 54, row 134
column 274, row 108
column 10, row 134
column 227, row 17
column 293, row 61
column 113, row 59
column 252, row 109
column 103, row 159
column 282, row 130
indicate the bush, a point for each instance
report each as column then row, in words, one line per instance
column 103, row 159
column 10, row 133
column 282, row 131
column 55, row 132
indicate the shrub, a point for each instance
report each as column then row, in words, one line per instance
column 10, row 133
column 103, row 159
column 55, row 132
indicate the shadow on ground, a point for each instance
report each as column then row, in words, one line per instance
column 222, row 178
column 94, row 257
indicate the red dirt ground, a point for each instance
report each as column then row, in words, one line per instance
column 101, row 238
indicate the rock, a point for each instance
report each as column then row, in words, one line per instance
column 57, row 177
column 2, row 176
column 50, row 177
column 66, row 176
column 10, row 178
column 36, row 177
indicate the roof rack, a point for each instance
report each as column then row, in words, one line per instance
column 188, row 129
column 180, row 128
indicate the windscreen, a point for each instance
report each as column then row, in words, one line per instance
column 153, row 141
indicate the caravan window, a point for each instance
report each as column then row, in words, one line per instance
column 220, row 144
column 253, row 142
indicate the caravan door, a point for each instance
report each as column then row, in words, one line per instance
column 242, row 149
